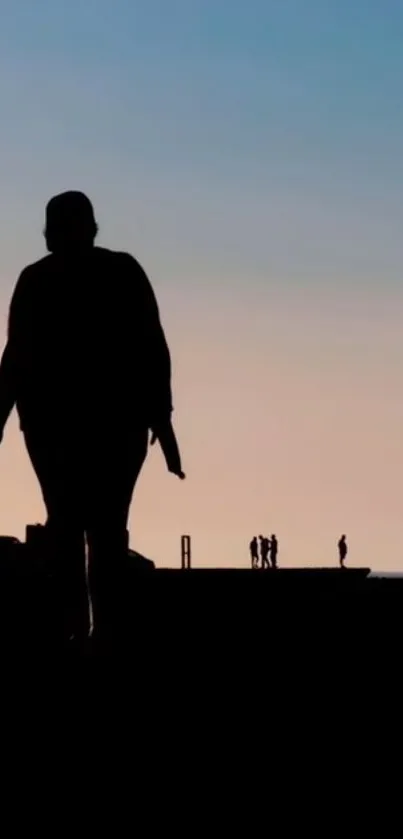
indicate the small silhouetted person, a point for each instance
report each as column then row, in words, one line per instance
column 88, row 367
column 264, row 551
column 273, row 551
column 342, row 546
column 254, row 552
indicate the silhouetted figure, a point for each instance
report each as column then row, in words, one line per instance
column 264, row 551
column 88, row 367
column 254, row 552
column 273, row 551
column 342, row 546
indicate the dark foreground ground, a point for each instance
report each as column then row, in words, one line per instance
column 200, row 658
column 217, row 614
column 210, row 672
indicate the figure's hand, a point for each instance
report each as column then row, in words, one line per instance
column 164, row 433
column 178, row 473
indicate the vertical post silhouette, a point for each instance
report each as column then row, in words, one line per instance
column 186, row 553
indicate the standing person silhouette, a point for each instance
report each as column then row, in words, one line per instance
column 254, row 552
column 264, row 551
column 342, row 546
column 273, row 551
column 88, row 367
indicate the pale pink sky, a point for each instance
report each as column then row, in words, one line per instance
column 289, row 412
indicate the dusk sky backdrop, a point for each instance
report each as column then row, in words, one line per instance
column 250, row 155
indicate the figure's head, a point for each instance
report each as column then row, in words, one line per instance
column 344, row 537
column 70, row 222
column 261, row 537
column 273, row 536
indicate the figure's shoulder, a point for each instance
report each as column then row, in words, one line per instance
column 33, row 276
column 120, row 258
column 37, row 269
column 127, row 272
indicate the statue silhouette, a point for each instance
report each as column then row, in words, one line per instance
column 88, row 367
column 254, row 552
column 342, row 546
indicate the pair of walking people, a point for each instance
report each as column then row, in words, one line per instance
column 88, row 367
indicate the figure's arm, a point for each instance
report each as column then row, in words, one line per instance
column 9, row 363
column 160, row 358
column 154, row 348
column 158, row 371
column 169, row 445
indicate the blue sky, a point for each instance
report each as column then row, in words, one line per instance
column 249, row 109
column 250, row 154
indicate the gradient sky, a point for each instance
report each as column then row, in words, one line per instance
column 250, row 154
